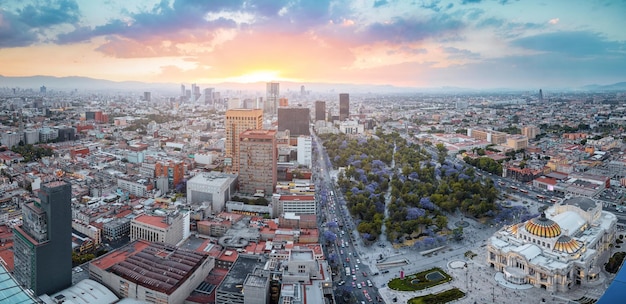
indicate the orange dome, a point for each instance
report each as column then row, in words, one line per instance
column 543, row 227
column 567, row 244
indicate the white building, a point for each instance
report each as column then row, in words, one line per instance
column 304, row 151
column 170, row 229
column 567, row 245
column 214, row 188
column 351, row 127
column 298, row 204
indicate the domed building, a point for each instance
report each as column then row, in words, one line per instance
column 566, row 245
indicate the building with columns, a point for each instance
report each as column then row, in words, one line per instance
column 565, row 246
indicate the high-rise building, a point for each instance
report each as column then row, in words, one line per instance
column 344, row 106
column 42, row 90
column 182, row 91
column 271, row 102
column 304, row 149
column 257, row 157
column 208, row 96
column 302, row 90
column 540, row 95
column 43, row 243
column 320, row 110
column 283, row 102
column 173, row 170
column 296, row 120
column 530, row 131
column 237, row 121
column 147, row 96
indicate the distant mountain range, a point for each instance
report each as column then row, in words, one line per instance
column 91, row 84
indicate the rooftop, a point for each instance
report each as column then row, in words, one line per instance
column 156, row 221
column 238, row 272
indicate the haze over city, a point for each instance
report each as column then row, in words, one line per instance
column 469, row 43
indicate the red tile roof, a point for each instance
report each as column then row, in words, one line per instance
column 156, row 221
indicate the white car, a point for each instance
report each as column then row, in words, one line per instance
column 358, row 285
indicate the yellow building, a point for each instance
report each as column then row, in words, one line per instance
column 238, row 121
column 493, row 137
column 517, row 142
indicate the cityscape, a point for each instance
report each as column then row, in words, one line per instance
column 293, row 152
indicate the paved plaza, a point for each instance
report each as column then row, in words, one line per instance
column 481, row 283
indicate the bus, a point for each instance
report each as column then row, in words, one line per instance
column 513, row 188
column 541, row 197
column 523, row 191
column 347, row 271
column 554, row 200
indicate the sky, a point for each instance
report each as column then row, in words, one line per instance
column 408, row 43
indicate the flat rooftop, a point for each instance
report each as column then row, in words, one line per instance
column 238, row 273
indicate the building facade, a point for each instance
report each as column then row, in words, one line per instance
column 344, row 106
column 257, row 156
column 567, row 245
column 238, row 121
column 170, row 229
column 214, row 188
column 296, row 120
column 320, row 110
column 271, row 98
column 43, row 243
column 304, row 147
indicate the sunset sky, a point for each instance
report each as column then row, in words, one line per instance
column 415, row 43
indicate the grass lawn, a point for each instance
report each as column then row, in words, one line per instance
column 438, row 298
column 420, row 281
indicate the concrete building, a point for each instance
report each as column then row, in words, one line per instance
column 246, row 273
column 151, row 272
column 567, row 245
column 257, row 157
column 530, row 131
column 173, row 170
column 137, row 187
column 116, row 229
column 271, row 98
column 296, row 204
column 213, row 188
column 238, row 121
column 304, row 147
column 517, row 142
column 296, row 120
column 31, row 136
column 48, row 134
column 169, row 229
column 491, row 136
column 10, row 139
column 320, row 110
column 43, row 243
column 351, row 127
column 344, row 106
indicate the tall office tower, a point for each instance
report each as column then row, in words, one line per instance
column 302, row 90
column 320, row 110
column 540, row 95
column 42, row 90
column 195, row 92
column 296, row 120
column 236, row 122
column 271, row 98
column 43, row 243
column 257, row 156
column 208, row 96
column 147, row 96
column 182, row 91
column 283, row 102
column 344, row 106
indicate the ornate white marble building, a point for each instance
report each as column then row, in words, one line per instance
column 566, row 245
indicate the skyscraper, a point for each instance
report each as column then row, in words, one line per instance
column 344, row 106
column 237, row 121
column 296, row 120
column 271, row 102
column 43, row 243
column 320, row 110
column 257, row 156
column 540, row 95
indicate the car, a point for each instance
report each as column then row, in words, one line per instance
column 353, row 271
column 358, row 285
column 341, row 283
column 356, row 267
column 353, row 278
column 347, row 259
column 353, row 284
column 341, row 251
column 369, row 283
column 364, row 274
column 358, row 261
column 385, row 271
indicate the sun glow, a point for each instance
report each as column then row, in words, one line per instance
column 256, row 76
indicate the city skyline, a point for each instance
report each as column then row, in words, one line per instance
column 464, row 43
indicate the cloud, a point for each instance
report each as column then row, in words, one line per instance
column 51, row 12
column 433, row 5
column 575, row 44
column 455, row 53
column 464, row 2
column 554, row 21
column 379, row 3
column 412, row 29
column 13, row 32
